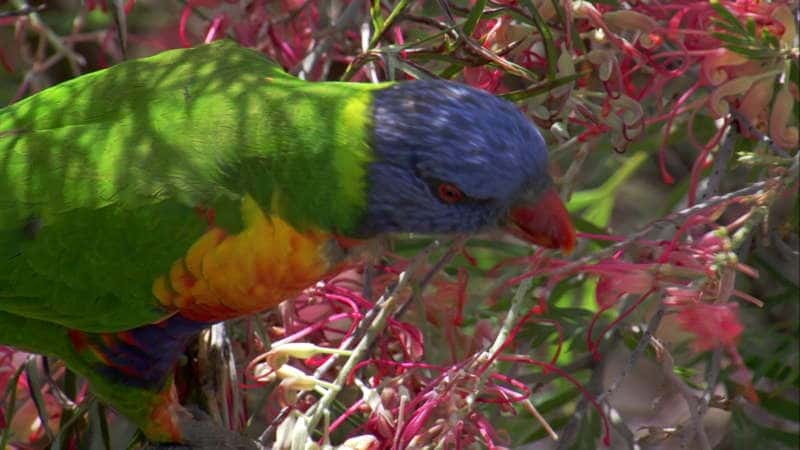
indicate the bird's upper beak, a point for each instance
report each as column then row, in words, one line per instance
column 543, row 220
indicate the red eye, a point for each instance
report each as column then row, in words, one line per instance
column 448, row 193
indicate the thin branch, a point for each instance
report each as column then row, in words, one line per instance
column 637, row 352
column 452, row 251
column 689, row 396
column 74, row 59
column 670, row 218
column 745, row 122
column 22, row 11
column 766, row 419
column 344, row 20
column 572, row 428
column 721, row 159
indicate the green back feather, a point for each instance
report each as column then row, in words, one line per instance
column 100, row 175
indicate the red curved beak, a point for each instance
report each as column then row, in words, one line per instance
column 544, row 221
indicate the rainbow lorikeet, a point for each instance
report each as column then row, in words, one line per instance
column 142, row 203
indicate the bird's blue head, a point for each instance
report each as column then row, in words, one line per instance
column 450, row 158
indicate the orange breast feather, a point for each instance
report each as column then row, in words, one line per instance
column 224, row 276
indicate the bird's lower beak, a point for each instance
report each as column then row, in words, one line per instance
column 543, row 220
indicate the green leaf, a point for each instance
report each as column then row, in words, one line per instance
column 375, row 13
column 583, row 199
column 380, row 28
column 10, row 393
column 586, row 198
column 727, row 16
column 751, row 27
column 586, row 226
column 547, row 37
column 451, row 71
column 780, row 406
column 728, row 27
column 599, row 213
column 474, row 17
column 558, row 401
column 408, row 68
column 731, row 39
column 103, row 421
column 770, row 39
column 541, row 88
column 749, row 52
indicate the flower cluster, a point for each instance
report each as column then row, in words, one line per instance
column 399, row 397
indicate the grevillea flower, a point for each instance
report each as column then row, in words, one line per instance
column 612, row 286
column 712, row 325
column 714, row 64
column 494, row 34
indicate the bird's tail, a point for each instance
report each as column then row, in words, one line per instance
column 132, row 371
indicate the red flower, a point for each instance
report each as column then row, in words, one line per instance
column 712, row 324
column 611, row 287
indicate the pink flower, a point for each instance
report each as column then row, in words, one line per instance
column 611, row 287
column 483, row 78
column 712, row 324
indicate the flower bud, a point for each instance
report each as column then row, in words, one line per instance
column 784, row 135
column 363, row 442
column 756, row 102
column 784, row 15
column 712, row 65
column 718, row 105
column 630, row 20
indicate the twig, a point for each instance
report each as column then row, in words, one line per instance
column 387, row 24
column 21, row 12
column 218, row 377
column 567, row 181
column 652, row 326
column 718, row 170
column 667, row 369
column 765, row 418
column 477, row 48
column 633, row 238
column 344, row 20
column 483, row 362
column 515, row 311
column 74, row 59
column 35, row 389
column 711, row 382
column 452, row 250
column 121, row 23
column 568, row 434
column 745, row 122
column 531, row 408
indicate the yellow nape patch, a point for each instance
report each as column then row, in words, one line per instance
column 224, row 276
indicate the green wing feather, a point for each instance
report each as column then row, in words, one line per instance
column 100, row 176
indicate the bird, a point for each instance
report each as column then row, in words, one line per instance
column 142, row 203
